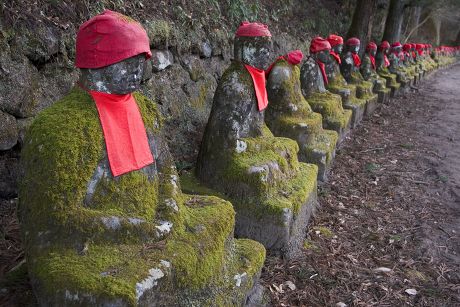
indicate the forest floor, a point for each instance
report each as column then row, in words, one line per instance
column 387, row 232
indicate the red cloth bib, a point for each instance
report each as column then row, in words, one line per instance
column 356, row 59
column 372, row 61
column 258, row 79
column 336, row 57
column 124, row 132
column 322, row 67
column 386, row 61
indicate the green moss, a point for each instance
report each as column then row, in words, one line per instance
column 324, row 142
column 330, row 106
column 159, row 31
column 191, row 185
column 200, row 101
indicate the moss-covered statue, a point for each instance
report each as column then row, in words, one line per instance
column 104, row 220
column 396, row 65
column 369, row 73
column 351, row 63
column 313, row 80
column 288, row 114
column 338, row 85
column 272, row 192
column 382, row 63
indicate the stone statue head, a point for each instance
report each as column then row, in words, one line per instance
column 384, row 47
column 336, row 43
column 111, row 52
column 353, row 45
column 371, row 48
column 320, row 50
column 252, row 45
column 396, row 47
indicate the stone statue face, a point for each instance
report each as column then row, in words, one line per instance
column 354, row 49
column 323, row 56
column 254, row 51
column 372, row 52
column 338, row 48
column 120, row 78
column 396, row 49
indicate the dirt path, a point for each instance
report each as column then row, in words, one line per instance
column 388, row 230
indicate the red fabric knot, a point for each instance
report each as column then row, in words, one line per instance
column 109, row 38
column 356, row 59
column 259, row 81
column 384, row 45
column 319, row 44
column 335, row 40
column 353, row 41
column 124, row 132
column 252, row 29
column 371, row 46
column 336, row 57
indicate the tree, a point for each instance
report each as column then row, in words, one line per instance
column 394, row 21
column 361, row 25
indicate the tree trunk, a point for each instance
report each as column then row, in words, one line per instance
column 361, row 25
column 394, row 21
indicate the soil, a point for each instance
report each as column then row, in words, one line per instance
column 387, row 229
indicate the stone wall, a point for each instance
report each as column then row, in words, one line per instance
column 191, row 43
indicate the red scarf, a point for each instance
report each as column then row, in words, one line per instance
column 322, row 67
column 336, row 57
column 414, row 55
column 258, row 79
column 386, row 61
column 372, row 61
column 124, row 132
column 356, row 59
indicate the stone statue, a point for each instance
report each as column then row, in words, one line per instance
column 313, row 79
column 351, row 63
column 289, row 115
column 104, row 219
column 338, row 85
column 396, row 64
column 368, row 71
column 271, row 191
column 382, row 63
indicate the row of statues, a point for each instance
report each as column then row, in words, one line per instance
column 105, row 217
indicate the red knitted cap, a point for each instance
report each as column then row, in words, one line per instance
column 319, row 44
column 109, row 38
column 418, row 46
column 396, row 44
column 371, row 46
column 253, row 29
column 335, row 40
column 384, row 45
column 353, row 41
column 406, row 47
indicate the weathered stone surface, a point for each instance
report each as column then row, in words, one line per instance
column 23, row 125
column 322, row 101
column 38, row 42
column 8, row 131
column 9, row 174
column 289, row 115
column 270, row 190
column 161, row 59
